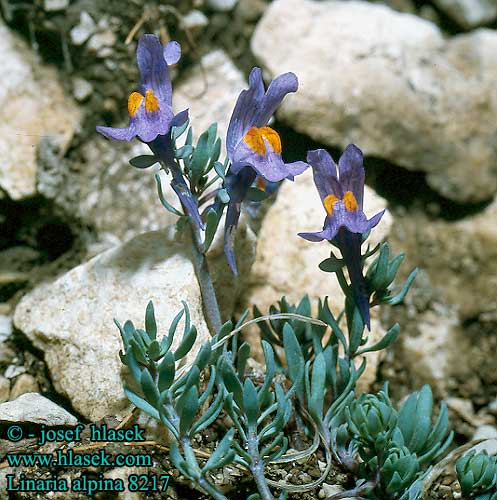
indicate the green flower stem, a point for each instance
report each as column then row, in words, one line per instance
column 209, row 299
column 257, row 466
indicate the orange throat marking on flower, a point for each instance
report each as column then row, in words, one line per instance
column 134, row 102
column 350, row 202
column 348, row 199
column 257, row 137
column 329, row 201
column 260, row 183
column 151, row 102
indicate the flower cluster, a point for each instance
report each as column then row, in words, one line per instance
column 313, row 361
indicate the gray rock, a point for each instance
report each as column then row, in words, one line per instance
column 433, row 351
column 81, row 342
column 32, row 105
column 460, row 258
column 37, row 409
column 84, row 30
column 469, row 13
column 393, row 85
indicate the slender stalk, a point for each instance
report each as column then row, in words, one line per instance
column 209, row 299
column 257, row 466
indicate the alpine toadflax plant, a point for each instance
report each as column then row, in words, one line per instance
column 307, row 398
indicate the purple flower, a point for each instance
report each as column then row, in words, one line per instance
column 250, row 142
column 345, row 222
column 150, row 109
column 254, row 149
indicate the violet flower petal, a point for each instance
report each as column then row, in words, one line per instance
column 154, row 73
column 246, row 108
column 277, row 90
column 352, row 173
column 324, row 170
column 172, row 52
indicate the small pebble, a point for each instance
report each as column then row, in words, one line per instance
column 81, row 89
column 13, row 371
column 221, row 5
column 55, row 5
column 84, row 30
column 195, row 19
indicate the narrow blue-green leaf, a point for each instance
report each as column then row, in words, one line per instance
column 356, row 328
column 250, row 403
column 397, row 299
column 177, row 132
column 149, row 388
column 163, row 200
column 150, row 323
column 184, row 151
column 143, row 161
column 186, row 344
column 294, row 357
column 393, row 267
column 318, row 387
column 204, row 356
column 331, row 265
column 385, row 342
column 232, row 383
column 220, row 169
column 167, row 341
column 166, row 372
column 210, row 414
column 221, row 450
column 200, row 157
column 223, row 196
column 211, row 225
column 140, row 403
column 381, row 268
column 187, row 409
column 242, row 357
column 210, row 385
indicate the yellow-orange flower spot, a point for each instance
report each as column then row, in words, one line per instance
column 350, row 202
column 134, row 102
column 151, row 102
column 257, row 137
column 329, row 201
